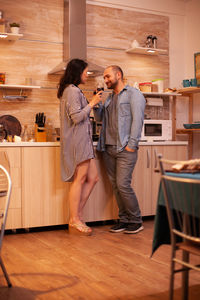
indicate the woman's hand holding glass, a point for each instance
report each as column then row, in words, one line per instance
column 96, row 99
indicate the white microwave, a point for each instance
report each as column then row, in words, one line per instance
column 157, row 130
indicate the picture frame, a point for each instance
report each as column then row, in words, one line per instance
column 197, row 67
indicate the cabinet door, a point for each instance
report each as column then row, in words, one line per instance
column 62, row 192
column 101, row 204
column 141, row 180
column 38, row 186
column 178, row 152
column 13, row 154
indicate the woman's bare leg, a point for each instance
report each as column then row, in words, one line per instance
column 75, row 192
column 91, row 180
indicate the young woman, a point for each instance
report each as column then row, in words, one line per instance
column 77, row 154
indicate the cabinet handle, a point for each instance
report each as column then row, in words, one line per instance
column 155, row 154
column 148, row 159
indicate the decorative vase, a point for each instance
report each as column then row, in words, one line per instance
column 14, row 30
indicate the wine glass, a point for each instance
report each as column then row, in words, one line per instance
column 99, row 87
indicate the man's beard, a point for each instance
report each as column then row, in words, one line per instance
column 112, row 85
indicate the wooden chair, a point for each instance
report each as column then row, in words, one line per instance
column 182, row 200
column 5, row 192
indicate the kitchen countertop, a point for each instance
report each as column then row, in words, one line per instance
column 53, row 144
column 165, row 143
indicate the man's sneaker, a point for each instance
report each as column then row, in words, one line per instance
column 119, row 227
column 134, row 228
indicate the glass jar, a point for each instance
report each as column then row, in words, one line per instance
column 149, row 41
column 2, row 78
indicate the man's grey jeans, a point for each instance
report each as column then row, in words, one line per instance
column 120, row 167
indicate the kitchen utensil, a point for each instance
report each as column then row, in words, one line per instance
column 11, row 125
column 40, row 134
column 40, row 130
column 154, row 41
column 40, row 119
column 14, row 97
column 149, row 42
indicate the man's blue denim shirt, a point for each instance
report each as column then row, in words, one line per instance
column 130, row 118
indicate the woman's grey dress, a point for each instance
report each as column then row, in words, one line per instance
column 75, row 131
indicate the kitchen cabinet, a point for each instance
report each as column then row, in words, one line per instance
column 145, row 180
column 39, row 206
column 14, row 219
column 101, row 204
column 40, row 198
column 45, row 196
column 147, row 51
column 189, row 92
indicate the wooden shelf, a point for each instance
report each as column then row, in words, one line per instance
column 9, row 36
column 147, row 51
column 18, row 86
column 189, row 90
column 161, row 94
column 187, row 131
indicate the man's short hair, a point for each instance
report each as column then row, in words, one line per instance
column 116, row 68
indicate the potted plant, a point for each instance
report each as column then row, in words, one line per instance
column 14, row 27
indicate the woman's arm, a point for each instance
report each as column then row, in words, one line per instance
column 74, row 108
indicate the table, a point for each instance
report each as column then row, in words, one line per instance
column 161, row 226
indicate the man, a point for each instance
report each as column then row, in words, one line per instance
column 122, row 117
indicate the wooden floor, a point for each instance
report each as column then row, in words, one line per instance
column 52, row 264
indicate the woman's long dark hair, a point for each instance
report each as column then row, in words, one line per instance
column 72, row 75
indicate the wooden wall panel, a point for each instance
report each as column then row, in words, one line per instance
column 22, row 59
column 117, row 28
column 136, row 67
column 39, row 19
column 109, row 32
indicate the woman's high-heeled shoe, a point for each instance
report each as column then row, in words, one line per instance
column 78, row 228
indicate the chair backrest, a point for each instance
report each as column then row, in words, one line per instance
column 182, row 200
column 5, row 192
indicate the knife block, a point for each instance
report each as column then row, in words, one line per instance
column 40, row 134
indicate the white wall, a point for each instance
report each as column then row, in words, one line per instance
column 184, row 41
